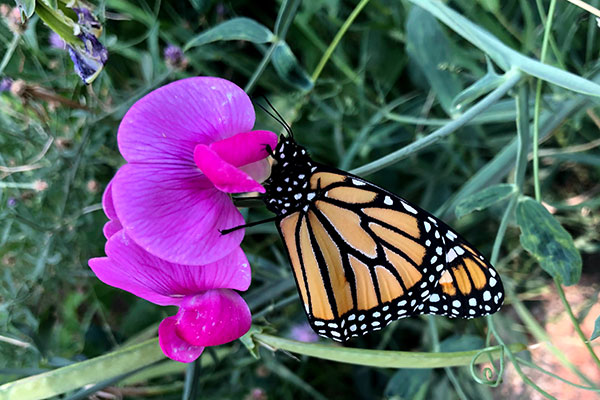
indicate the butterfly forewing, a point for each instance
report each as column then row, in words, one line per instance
column 363, row 257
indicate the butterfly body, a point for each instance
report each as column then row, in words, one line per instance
column 363, row 257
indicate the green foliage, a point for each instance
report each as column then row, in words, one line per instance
column 234, row 29
column 484, row 198
column 544, row 237
column 596, row 332
column 419, row 95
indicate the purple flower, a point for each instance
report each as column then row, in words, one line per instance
column 88, row 58
column 5, row 84
column 210, row 312
column 302, row 332
column 174, row 57
column 56, row 41
column 87, row 20
column 188, row 145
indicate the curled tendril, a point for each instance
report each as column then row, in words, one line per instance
column 488, row 373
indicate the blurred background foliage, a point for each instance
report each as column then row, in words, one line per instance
column 393, row 78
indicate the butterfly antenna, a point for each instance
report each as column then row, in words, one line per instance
column 277, row 117
column 288, row 128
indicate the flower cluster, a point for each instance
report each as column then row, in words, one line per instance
column 87, row 53
column 188, row 145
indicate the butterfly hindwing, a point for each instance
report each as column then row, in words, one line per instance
column 363, row 257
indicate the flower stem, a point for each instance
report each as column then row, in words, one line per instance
column 336, row 40
column 376, row 358
column 9, row 52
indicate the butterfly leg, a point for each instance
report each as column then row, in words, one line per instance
column 235, row 228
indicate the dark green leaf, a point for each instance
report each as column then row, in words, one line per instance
column 407, row 383
column 596, row 332
column 461, row 343
column 428, row 46
column 288, row 68
column 27, row 7
column 484, row 198
column 234, row 29
column 548, row 241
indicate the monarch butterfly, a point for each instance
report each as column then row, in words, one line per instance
column 363, row 257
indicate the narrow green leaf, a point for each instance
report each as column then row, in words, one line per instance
column 490, row 81
column 27, row 7
column 74, row 376
column 503, row 55
column 596, row 332
column 429, row 48
column 234, row 29
column 377, row 358
column 548, row 241
column 484, row 198
column 288, row 68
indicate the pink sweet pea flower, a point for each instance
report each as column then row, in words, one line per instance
column 188, row 145
column 210, row 312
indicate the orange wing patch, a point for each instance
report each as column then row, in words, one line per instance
column 288, row 231
column 333, row 260
column 389, row 287
column 324, row 179
column 408, row 223
column 411, row 248
column 351, row 195
column 347, row 224
column 409, row 274
column 365, row 289
column 319, row 301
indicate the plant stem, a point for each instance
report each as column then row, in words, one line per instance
column 261, row 67
column 336, row 40
column 512, row 77
column 9, row 52
column 436, row 348
column 538, row 100
column 375, row 358
column 514, row 361
column 563, row 298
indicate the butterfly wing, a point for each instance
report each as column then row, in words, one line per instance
column 363, row 257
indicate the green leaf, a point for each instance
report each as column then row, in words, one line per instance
column 407, row 383
column 27, row 7
column 548, row 241
column 503, row 55
column 378, row 358
column 484, row 198
column 490, row 81
column 74, row 376
column 596, row 332
column 492, row 6
column 234, row 29
column 428, row 46
column 287, row 67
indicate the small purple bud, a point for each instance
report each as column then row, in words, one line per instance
column 56, row 41
column 5, row 84
column 11, row 202
column 174, row 57
column 303, row 333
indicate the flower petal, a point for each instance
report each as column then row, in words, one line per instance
column 212, row 318
column 175, row 213
column 223, row 175
column 166, row 124
column 245, row 148
column 107, row 202
column 128, row 267
column 173, row 346
column 110, row 228
column 259, row 170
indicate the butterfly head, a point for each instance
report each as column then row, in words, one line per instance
column 288, row 186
